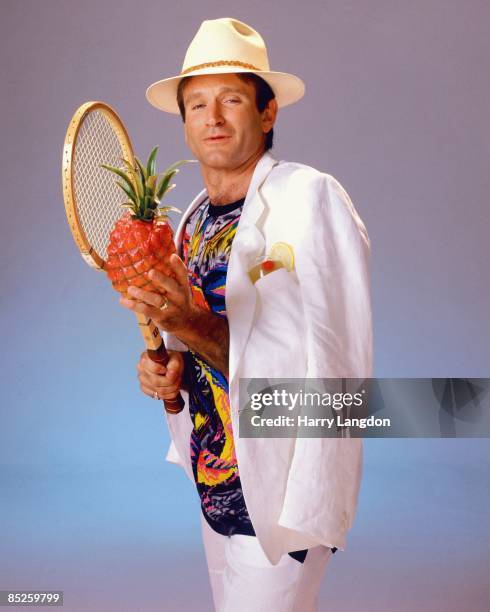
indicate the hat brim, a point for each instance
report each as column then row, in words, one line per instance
column 287, row 88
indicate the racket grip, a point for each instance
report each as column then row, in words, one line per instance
column 160, row 355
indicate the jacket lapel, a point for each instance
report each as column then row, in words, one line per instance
column 179, row 232
column 248, row 244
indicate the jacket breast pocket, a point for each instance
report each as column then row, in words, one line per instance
column 276, row 345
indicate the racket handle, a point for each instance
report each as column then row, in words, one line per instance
column 160, row 355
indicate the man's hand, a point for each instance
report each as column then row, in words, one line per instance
column 180, row 308
column 201, row 330
column 165, row 380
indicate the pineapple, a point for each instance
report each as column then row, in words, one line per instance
column 142, row 239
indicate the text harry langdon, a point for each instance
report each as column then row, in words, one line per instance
column 328, row 422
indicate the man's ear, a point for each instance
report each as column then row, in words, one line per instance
column 269, row 115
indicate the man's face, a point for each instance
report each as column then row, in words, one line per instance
column 223, row 106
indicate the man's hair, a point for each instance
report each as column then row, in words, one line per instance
column 263, row 93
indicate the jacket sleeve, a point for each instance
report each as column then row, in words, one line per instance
column 332, row 264
column 172, row 343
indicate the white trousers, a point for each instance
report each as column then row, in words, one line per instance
column 243, row 580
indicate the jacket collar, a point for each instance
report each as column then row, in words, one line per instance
column 253, row 206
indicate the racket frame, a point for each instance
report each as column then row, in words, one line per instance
column 87, row 251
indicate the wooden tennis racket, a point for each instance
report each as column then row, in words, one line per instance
column 95, row 136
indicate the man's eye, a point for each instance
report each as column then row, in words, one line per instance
column 195, row 106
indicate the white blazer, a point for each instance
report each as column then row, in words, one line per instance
column 312, row 322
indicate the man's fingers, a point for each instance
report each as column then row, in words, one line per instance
column 159, row 317
column 172, row 286
column 149, row 297
column 147, row 364
column 163, row 393
column 180, row 269
column 168, row 392
column 172, row 373
column 171, row 379
column 169, row 286
column 147, row 389
column 165, row 380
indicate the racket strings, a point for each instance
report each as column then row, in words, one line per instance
column 98, row 198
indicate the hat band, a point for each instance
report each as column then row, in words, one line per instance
column 220, row 63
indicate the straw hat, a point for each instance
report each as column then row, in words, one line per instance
column 226, row 46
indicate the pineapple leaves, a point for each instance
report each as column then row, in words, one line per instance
column 163, row 186
column 168, row 174
column 142, row 186
column 151, row 184
column 163, row 210
column 122, row 175
column 137, row 183
column 162, row 213
column 141, row 167
column 179, row 163
column 150, row 166
column 143, row 172
column 129, row 192
column 147, row 205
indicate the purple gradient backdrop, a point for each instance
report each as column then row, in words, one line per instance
column 396, row 107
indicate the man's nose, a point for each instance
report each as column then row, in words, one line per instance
column 214, row 115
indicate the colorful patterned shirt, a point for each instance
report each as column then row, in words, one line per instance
column 206, row 247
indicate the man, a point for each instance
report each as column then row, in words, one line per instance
column 273, row 510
